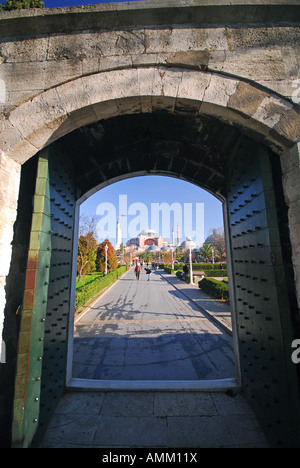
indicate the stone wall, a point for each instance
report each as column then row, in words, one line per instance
column 9, row 191
column 291, row 182
column 37, row 61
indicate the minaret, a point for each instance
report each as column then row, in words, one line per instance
column 178, row 236
column 119, row 236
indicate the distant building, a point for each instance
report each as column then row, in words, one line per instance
column 217, row 241
column 148, row 239
column 213, row 238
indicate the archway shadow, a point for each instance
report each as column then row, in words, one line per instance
column 170, row 356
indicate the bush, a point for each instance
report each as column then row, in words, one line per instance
column 86, row 293
column 168, row 270
column 209, row 266
column 214, row 288
column 196, row 266
column 177, row 266
column 187, row 278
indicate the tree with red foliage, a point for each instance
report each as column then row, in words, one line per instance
column 112, row 262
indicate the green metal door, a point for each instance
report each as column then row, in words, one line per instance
column 262, row 305
column 41, row 361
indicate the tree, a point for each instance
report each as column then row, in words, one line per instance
column 206, row 252
column 21, row 4
column 112, row 261
column 87, row 253
column 87, row 246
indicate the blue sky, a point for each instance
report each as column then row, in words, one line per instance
column 199, row 204
column 140, row 200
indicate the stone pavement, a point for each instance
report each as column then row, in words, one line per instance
column 219, row 311
column 153, row 419
column 160, row 419
column 148, row 331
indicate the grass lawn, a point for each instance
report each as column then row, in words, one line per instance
column 92, row 284
column 88, row 278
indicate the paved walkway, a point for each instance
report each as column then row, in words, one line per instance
column 149, row 331
column 157, row 419
column 219, row 311
column 153, row 419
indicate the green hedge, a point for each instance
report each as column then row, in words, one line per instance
column 215, row 273
column 186, row 278
column 87, row 292
column 214, row 288
column 208, row 266
column 197, row 266
column 168, row 270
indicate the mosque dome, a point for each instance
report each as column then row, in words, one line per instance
column 153, row 248
column 149, row 233
column 212, row 238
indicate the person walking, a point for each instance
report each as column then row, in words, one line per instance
column 185, row 271
column 148, row 272
column 137, row 271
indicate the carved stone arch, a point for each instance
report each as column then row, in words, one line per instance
column 59, row 110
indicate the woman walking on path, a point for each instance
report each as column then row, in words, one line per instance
column 137, row 271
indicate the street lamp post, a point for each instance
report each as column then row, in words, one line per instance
column 191, row 267
column 106, row 248
column 172, row 251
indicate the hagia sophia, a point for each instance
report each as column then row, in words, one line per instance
column 150, row 240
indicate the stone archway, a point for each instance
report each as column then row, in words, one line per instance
column 56, row 112
column 267, row 127
column 64, row 108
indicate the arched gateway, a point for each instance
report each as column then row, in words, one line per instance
column 193, row 90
